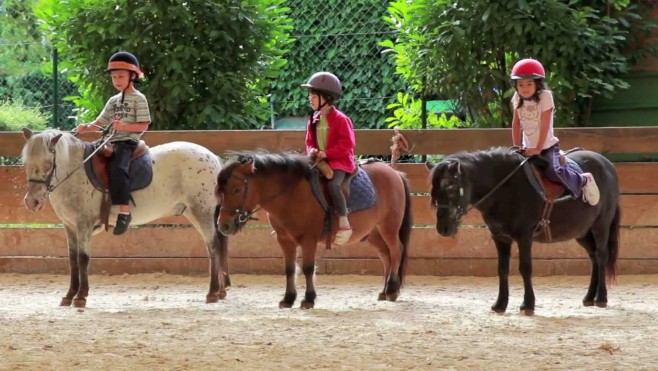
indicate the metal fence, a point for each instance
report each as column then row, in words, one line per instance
column 343, row 37
column 340, row 36
column 36, row 85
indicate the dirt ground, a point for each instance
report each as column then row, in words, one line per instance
column 161, row 322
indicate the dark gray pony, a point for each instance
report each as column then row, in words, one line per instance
column 512, row 209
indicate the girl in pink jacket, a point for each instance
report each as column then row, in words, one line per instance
column 330, row 136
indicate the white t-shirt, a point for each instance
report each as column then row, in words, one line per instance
column 530, row 115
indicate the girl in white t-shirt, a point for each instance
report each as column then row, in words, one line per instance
column 532, row 126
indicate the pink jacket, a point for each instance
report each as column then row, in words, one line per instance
column 340, row 140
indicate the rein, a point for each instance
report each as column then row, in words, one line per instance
column 49, row 187
column 500, row 184
column 242, row 216
column 460, row 210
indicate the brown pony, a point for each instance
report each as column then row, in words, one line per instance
column 281, row 185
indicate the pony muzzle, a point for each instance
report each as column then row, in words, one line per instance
column 34, row 203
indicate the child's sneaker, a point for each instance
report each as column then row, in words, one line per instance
column 123, row 222
column 591, row 193
column 343, row 235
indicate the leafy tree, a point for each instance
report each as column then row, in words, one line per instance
column 208, row 63
column 19, row 31
column 464, row 49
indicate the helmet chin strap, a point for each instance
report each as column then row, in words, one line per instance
column 323, row 103
column 133, row 77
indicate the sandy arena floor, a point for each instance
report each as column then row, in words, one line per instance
column 160, row 322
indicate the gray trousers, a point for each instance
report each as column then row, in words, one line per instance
column 336, row 193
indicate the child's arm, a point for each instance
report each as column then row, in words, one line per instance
column 544, row 126
column 516, row 130
column 132, row 127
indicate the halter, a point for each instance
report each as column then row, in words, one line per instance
column 460, row 208
column 242, row 215
column 49, row 177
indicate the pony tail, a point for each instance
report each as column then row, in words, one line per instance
column 613, row 245
column 405, row 231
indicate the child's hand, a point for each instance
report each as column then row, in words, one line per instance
column 82, row 128
column 532, row 151
column 118, row 125
column 321, row 155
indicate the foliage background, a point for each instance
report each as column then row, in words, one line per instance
column 463, row 49
column 208, row 63
column 222, row 64
column 26, row 76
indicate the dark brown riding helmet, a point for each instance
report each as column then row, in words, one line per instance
column 325, row 82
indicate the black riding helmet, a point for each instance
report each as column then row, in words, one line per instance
column 125, row 61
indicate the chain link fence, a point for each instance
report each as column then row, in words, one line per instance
column 32, row 90
column 333, row 35
column 37, row 90
column 341, row 37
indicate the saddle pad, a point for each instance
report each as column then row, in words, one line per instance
column 362, row 192
column 140, row 170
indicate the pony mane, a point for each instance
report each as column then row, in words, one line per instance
column 36, row 149
column 494, row 154
column 268, row 163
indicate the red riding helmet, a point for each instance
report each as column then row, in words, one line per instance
column 528, row 69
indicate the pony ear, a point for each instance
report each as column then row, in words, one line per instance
column 453, row 167
column 248, row 166
column 27, row 133
column 429, row 165
column 54, row 141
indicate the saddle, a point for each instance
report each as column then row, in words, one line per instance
column 547, row 189
column 97, row 169
column 357, row 187
column 101, row 161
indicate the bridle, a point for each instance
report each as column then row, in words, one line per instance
column 461, row 210
column 242, row 215
column 49, row 178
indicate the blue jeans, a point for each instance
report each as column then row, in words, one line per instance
column 567, row 174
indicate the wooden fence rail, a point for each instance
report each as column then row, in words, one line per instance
column 171, row 245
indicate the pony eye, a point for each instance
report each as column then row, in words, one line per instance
column 237, row 190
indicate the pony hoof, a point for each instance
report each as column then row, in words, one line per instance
column 283, row 304
column 381, row 296
column 222, row 295
column 79, row 303
column 210, row 299
column 528, row 312
column 392, row 297
column 588, row 303
column 499, row 310
column 601, row 304
column 307, row 304
column 65, row 302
